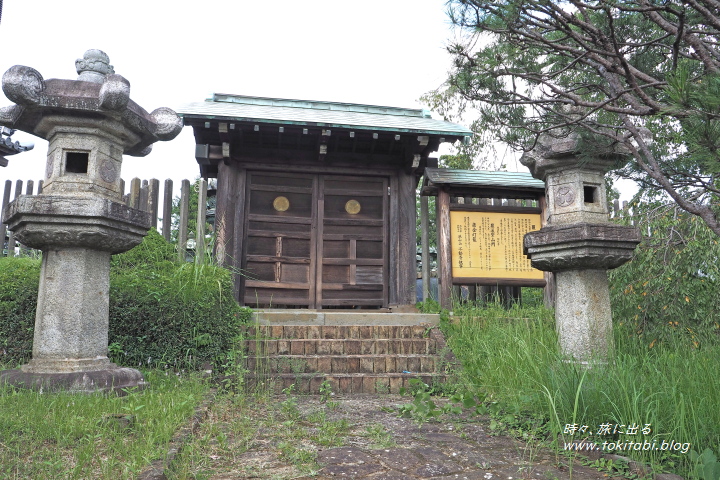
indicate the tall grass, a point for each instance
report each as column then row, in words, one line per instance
column 80, row 436
column 513, row 358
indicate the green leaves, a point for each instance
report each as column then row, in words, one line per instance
column 609, row 71
column 670, row 291
column 707, row 466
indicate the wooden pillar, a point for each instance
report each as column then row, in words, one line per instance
column 425, row 241
column 223, row 225
column 443, row 244
column 134, row 199
column 144, row 197
column 394, row 246
column 238, row 231
column 407, row 257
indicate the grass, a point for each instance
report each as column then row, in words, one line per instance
column 669, row 391
column 261, row 435
column 77, row 436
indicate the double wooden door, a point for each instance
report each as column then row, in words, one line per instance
column 316, row 240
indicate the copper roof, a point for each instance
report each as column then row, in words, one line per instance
column 321, row 114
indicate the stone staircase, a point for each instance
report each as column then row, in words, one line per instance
column 352, row 352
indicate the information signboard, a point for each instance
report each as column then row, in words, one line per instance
column 490, row 245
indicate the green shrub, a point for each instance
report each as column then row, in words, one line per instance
column 162, row 313
column 670, row 291
column 19, row 279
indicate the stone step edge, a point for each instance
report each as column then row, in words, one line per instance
column 375, row 355
column 342, row 364
column 425, row 346
column 305, row 317
column 351, row 332
column 354, row 383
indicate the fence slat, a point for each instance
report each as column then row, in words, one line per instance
column 11, row 235
column 144, row 201
column 183, row 227
column 167, row 209
column 134, row 199
column 200, row 234
column 153, row 197
column 5, row 201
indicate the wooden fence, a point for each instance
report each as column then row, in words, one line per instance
column 143, row 195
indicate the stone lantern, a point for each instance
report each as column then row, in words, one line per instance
column 579, row 243
column 79, row 220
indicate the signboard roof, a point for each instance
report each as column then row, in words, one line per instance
column 482, row 178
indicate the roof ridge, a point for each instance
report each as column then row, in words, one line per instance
column 318, row 105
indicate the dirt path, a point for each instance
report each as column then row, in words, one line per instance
column 358, row 437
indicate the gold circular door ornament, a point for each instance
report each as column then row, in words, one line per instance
column 352, row 207
column 281, row 204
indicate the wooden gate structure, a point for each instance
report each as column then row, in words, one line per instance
column 481, row 219
column 316, row 200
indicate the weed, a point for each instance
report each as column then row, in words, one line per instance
column 380, row 436
column 325, row 391
column 706, row 465
column 381, row 387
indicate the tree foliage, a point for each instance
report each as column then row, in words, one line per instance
column 671, row 289
column 639, row 75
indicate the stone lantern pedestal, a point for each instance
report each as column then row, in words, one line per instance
column 78, row 221
column 579, row 244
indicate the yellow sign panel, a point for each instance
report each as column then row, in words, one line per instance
column 490, row 245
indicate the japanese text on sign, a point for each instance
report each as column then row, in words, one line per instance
column 490, row 245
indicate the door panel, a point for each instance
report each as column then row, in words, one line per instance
column 323, row 244
column 351, row 246
column 279, row 259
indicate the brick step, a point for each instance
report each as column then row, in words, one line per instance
column 330, row 364
column 354, row 332
column 353, row 359
column 393, row 316
column 325, row 346
column 350, row 383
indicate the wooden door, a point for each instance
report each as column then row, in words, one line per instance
column 316, row 241
column 352, row 241
column 279, row 264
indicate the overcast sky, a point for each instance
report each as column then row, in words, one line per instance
column 380, row 52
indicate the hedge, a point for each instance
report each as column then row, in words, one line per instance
column 162, row 313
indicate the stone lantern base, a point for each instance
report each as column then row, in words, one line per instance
column 77, row 236
column 580, row 255
column 113, row 379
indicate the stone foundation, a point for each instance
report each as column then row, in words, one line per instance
column 109, row 380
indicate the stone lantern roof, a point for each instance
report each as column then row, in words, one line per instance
column 42, row 106
column 9, row 147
